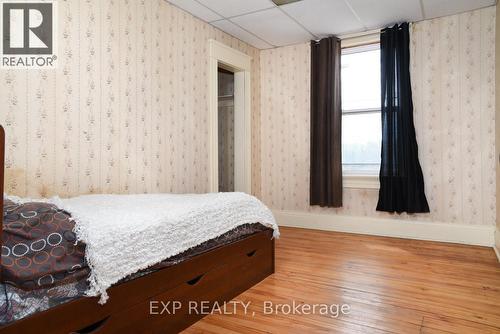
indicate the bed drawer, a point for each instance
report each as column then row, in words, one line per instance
column 221, row 284
column 240, row 271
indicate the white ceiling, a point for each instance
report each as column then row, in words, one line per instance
column 264, row 25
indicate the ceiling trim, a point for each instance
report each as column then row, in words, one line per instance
column 239, row 15
column 192, row 14
column 236, row 24
column 251, row 33
column 297, row 22
column 203, row 5
column 348, row 4
column 365, row 29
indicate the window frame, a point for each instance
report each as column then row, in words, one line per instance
column 350, row 45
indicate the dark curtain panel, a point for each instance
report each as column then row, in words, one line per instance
column 326, row 118
column 401, row 179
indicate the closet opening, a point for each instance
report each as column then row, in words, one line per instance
column 230, row 119
column 225, row 128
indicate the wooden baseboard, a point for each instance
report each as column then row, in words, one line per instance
column 497, row 252
column 455, row 233
column 496, row 246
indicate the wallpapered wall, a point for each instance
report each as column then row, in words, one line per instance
column 497, row 123
column 126, row 110
column 453, row 71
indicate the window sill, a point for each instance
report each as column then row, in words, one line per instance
column 360, row 181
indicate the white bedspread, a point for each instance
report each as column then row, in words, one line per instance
column 127, row 233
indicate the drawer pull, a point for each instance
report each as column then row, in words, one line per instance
column 252, row 253
column 195, row 280
column 92, row 328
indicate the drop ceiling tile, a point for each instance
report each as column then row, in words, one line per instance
column 274, row 26
column 438, row 8
column 229, row 8
column 196, row 9
column 324, row 17
column 245, row 36
column 381, row 13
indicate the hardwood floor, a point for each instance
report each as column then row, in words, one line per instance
column 392, row 286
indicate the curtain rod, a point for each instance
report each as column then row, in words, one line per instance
column 355, row 34
column 360, row 34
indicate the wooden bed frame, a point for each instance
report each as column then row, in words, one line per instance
column 214, row 276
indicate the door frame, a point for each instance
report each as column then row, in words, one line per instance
column 221, row 55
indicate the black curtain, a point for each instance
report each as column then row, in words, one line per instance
column 326, row 118
column 401, row 179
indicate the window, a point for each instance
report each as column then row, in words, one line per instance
column 361, row 125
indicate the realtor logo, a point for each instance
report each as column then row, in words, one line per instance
column 28, row 34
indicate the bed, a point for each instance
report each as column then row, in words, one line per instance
column 215, row 271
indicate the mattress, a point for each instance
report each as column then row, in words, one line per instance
column 40, row 275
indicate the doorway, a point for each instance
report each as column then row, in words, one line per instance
column 230, row 119
column 225, row 129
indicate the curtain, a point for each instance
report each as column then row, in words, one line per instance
column 401, row 179
column 326, row 118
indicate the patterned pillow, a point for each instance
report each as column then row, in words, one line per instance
column 39, row 248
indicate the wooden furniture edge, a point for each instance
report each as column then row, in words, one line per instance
column 2, row 179
column 79, row 315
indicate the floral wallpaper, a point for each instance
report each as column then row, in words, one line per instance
column 126, row 110
column 453, row 73
column 497, row 123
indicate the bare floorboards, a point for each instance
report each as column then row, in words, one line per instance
column 391, row 285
